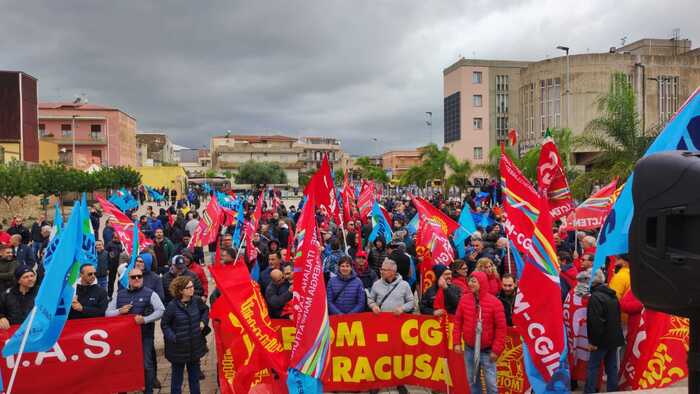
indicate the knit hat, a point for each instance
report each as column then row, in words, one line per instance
column 439, row 269
column 21, row 270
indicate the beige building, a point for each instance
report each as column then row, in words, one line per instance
column 396, row 162
column 154, row 149
column 230, row 152
column 315, row 147
column 483, row 99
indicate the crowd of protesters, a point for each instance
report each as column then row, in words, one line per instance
column 169, row 282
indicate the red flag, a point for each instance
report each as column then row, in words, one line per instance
column 347, row 194
column 122, row 226
column 520, row 203
column 592, row 213
column 366, row 200
column 208, row 227
column 251, row 226
column 290, row 244
column 248, row 306
column 430, row 213
column 311, row 347
column 575, row 317
column 513, row 136
column 433, row 245
column 322, row 189
column 551, row 179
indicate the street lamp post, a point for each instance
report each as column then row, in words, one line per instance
column 72, row 127
column 568, row 86
column 429, row 123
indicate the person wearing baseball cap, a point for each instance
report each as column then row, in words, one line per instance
column 178, row 267
column 366, row 275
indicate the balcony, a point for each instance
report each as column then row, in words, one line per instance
column 92, row 139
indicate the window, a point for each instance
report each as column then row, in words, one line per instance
column 668, row 97
column 42, row 130
column 66, row 130
column 478, row 153
column 95, row 131
column 501, row 83
column 477, row 123
column 476, row 77
column 96, row 156
column 65, row 156
column 452, row 130
column 476, row 100
column 502, row 127
column 501, row 103
column 550, row 104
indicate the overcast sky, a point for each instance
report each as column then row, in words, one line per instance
column 354, row 70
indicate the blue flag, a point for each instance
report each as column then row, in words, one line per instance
column 380, row 224
column 467, row 228
column 481, row 196
column 412, row 226
column 299, row 383
column 118, row 201
column 124, row 280
column 207, row 188
column 129, row 200
column 86, row 253
column 255, row 272
column 155, row 195
column 49, row 306
column 482, row 219
column 682, row 132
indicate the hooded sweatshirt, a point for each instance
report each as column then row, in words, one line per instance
column 492, row 316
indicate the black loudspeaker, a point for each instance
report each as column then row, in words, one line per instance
column 664, row 242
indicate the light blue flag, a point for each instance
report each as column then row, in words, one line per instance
column 380, row 225
column 519, row 263
column 124, row 279
column 207, row 188
column 57, row 221
column 561, row 379
column 118, row 201
column 86, row 253
column 467, row 228
column 413, row 277
column 482, row 219
column 255, row 272
column 49, row 304
column 239, row 223
column 155, row 195
column 682, row 132
column 299, row 383
column 412, row 226
column 129, row 200
column 53, row 240
column 481, row 196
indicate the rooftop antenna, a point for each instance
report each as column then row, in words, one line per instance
column 623, row 40
column 676, row 36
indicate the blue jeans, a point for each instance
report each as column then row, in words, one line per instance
column 487, row 366
column 609, row 356
column 177, row 375
column 149, row 370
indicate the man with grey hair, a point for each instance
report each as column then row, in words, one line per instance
column 391, row 293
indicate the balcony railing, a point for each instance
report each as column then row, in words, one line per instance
column 91, row 139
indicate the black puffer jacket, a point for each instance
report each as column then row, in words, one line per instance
column 604, row 325
column 452, row 296
column 184, row 340
column 16, row 306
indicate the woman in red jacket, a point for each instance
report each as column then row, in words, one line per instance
column 487, row 266
column 481, row 323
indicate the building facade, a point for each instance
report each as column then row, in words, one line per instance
column 314, row 148
column 396, row 162
column 230, row 152
column 98, row 135
column 154, row 149
column 18, row 117
column 561, row 93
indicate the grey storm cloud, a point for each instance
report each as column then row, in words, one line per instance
column 355, row 70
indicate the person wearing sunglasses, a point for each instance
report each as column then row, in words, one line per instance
column 90, row 298
column 146, row 307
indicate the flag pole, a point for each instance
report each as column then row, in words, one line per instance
column 21, row 350
column 508, row 253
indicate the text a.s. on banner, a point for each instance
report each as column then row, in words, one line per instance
column 99, row 355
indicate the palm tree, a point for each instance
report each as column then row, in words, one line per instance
column 461, row 171
column 615, row 135
column 490, row 168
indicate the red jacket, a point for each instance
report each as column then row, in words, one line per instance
column 461, row 282
column 492, row 315
column 630, row 305
column 199, row 271
column 494, row 284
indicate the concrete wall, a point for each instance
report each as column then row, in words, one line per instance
column 170, row 177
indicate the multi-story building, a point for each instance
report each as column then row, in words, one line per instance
column 231, row 151
column 315, row 147
column 18, row 117
column 483, row 99
column 89, row 134
column 154, row 149
column 396, row 162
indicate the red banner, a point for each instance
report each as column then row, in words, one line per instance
column 429, row 212
column 551, row 180
column 366, row 200
column 100, row 355
column 519, row 204
column 591, row 213
column 575, row 318
column 377, row 351
column 208, row 227
column 321, row 189
column 433, row 246
column 659, row 355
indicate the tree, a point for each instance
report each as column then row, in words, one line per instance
column 260, row 173
column 491, row 167
column 305, row 177
column 461, row 171
column 371, row 171
column 15, row 181
column 615, row 135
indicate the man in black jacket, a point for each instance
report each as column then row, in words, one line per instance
column 18, row 301
column 451, row 294
column 114, row 250
column 507, row 296
column 604, row 333
column 90, row 298
column 178, row 267
column 18, row 228
column 23, row 253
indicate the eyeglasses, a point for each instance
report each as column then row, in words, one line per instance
column 135, row 276
column 189, row 287
column 90, row 274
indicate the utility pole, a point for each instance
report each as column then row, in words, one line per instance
column 429, row 123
